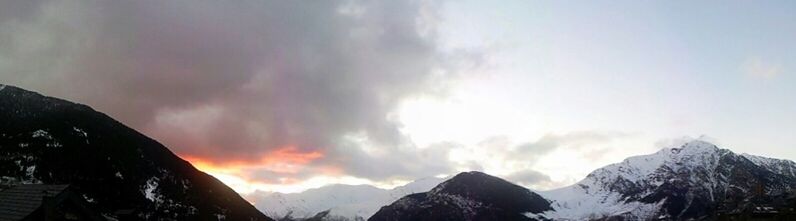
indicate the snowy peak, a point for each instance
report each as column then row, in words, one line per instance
column 689, row 149
column 683, row 182
column 690, row 154
column 697, row 147
column 336, row 202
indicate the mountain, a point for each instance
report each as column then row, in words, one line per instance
column 693, row 181
column 696, row 180
column 336, row 202
column 472, row 196
column 116, row 169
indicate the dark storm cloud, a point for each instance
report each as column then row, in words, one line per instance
column 528, row 178
column 573, row 140
column 503, row 148
column 524, row 156
column 235, row 80
column 406, row 162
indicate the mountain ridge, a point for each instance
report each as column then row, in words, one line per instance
column 54, row 141
column 687, row 182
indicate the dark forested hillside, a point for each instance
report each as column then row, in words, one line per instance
column 53, row 141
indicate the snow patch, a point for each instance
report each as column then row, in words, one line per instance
column 41, row 133
column 534, row 216
column 80, row 131
column 30, row 170
column 88, row 199
column 468, row 206
column 44, row 134
column 53, row 144
column 150, row 188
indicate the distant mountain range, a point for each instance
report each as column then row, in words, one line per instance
column 696, row 180
column 341, row 202
column 52, row 141
column 347, row 202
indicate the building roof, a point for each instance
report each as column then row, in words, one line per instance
column 19, row 201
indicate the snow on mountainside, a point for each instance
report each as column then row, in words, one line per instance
column 779, row 166
column 696, row 180
column 690, row 181
column 347, row 202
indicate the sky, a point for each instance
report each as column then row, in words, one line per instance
column 289, row 95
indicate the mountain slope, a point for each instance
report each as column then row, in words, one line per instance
column 53, row 141
column 692, row 181
column 340, row 202
column 467, row 196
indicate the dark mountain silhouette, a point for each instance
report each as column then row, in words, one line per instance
column 467, row 196
column 116, row 169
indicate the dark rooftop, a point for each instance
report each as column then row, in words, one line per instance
column 19, row 201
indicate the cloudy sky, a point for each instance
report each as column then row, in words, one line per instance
column 289, row 95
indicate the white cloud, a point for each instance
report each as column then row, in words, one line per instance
column 530, row 164
column 759, row 68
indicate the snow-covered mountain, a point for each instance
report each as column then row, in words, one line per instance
column 694, row 180
column 336, row 202
column 117, row 170
column 467, row 196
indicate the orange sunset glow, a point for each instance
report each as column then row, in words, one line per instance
column 285, row 160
